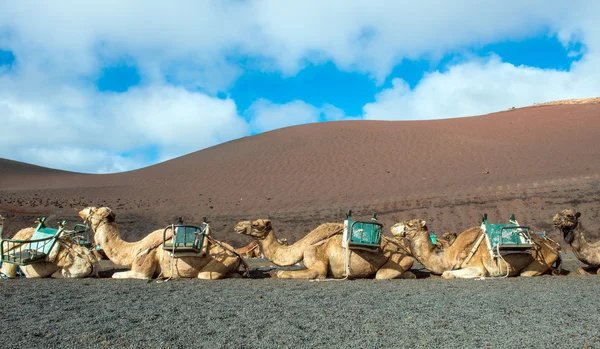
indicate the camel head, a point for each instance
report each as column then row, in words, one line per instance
column 258, row 229
column 94, row 216
column 408, row 229
column 74, row 260
column 567, row 220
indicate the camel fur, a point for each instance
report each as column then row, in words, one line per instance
column 147, row 259
column 67, row 259
column 451, row 262
column 252, row 250
column 574, row 234
column 322, row 253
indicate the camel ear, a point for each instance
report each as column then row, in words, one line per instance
column 578, row 214
column 268, row 223
column 423, row 223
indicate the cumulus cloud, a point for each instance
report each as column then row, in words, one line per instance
column 478, row 87
column 83, row 130
column 265, row 115
column 356, row 35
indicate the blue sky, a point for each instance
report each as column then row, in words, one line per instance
column 117, row 85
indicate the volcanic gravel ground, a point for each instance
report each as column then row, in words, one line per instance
column 541, row 312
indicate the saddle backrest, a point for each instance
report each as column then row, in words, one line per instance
column 44, row 238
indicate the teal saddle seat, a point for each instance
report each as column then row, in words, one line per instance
column 511, row 236
column 362, row 234
column 36, row 249
column 186, row 238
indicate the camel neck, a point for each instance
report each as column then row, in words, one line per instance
column 579, row 241
column 426, row 252
column 282, row 255
column 116, row 249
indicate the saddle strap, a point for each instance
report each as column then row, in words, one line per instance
column 472, row 252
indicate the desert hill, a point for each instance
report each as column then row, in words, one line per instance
column 530, row 161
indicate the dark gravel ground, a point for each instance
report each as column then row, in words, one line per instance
column 541, row 312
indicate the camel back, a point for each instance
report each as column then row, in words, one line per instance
column 36, row 249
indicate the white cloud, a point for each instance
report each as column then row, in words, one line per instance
column 480, row 87
column 82, row 130
column 267, row 116
column 356, row 35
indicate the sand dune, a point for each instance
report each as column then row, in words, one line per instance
column 531, row 161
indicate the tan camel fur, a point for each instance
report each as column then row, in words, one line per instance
column 574, row 235
column 451, row 262
column 66, row 260
column 147, row 259
column 322, row 253
column 252, row 250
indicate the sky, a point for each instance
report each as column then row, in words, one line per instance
column 110, row 86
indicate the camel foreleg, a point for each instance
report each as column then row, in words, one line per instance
column 131, row 274
column 217, row 269
column 466, row 273
column 396, row 267
column 316, row 271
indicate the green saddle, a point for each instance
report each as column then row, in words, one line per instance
column 511, row 236
column 362, row 234
column 186, row 238
column 24, row 252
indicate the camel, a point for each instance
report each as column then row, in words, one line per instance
column 574, row 234
column 147, row 259
column 322, row 253
column 66, row 259
column 249, row 251
column 468, row 256
column 252, row 250
column 449, row 237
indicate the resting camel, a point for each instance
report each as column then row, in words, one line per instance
column 574, row 235
column 66, row 259
column 249, row 251
column 454, row 261
column 147, row 259
column 323, row 255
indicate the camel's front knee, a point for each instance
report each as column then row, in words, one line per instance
column 210, row 275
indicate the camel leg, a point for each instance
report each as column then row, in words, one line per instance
column 466, row 273
column 219, row 269
column 10, row 270
column 396, row 267
column 587, row 270
column 534, row 269
column 131, row 274
column 316, row 271
column 58, row 274
column 216, row 269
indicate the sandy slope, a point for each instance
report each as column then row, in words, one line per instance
column 531, row 161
